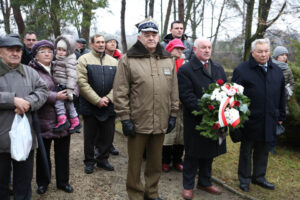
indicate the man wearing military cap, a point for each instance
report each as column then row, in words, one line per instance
column 22, row 91
column 146, row 100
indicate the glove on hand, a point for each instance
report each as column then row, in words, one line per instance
column 171, row 124
column 70, row 94
column 128, row 128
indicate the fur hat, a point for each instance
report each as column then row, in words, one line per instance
column 279, row 50
column 40, row 44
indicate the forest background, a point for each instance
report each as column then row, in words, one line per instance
column 231, row 25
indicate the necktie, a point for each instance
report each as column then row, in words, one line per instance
column 206, row 66
column 265, row 68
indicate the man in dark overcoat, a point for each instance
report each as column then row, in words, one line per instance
column 263, row 83
column 199, row 150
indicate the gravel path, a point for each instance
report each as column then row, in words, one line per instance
column 104, row 185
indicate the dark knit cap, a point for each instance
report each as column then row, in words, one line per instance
column 40, row 44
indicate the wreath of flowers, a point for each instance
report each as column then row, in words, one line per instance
column 222, row 106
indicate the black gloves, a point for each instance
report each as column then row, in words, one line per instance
column 128, row 128
column 171, row 124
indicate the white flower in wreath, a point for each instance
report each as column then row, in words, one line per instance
column 221, row 95
column 240, row 89
column 214, row 93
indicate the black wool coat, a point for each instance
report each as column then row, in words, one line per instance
column 267, row 94
column 192, row 78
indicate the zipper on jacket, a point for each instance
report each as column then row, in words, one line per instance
column 101, row 57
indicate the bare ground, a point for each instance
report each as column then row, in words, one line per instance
column 104, row 185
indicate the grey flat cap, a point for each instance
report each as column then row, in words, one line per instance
column 10, row 42
column 81, row 40
column 15, row 35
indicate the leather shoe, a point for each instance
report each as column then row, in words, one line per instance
column 104, row 164
column 165, row 167
column 42, row 189
column 146, row 198
column 244, row 187
column 178, row 167
column 67, row 188
column 88, row 169
column 265, row 184
column 114, row 152
column 187, row 194
column 211, row 189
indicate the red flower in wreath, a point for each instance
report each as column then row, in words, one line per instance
column 211, row 107
column 237, row 103
column 220, row 82
column 216, row 126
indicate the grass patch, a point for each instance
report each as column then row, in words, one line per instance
column 283, row 170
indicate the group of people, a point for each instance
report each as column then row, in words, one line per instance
column 153, row 89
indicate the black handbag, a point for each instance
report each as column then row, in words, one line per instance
column 236, row 135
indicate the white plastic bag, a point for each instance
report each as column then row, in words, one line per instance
column 20, row 138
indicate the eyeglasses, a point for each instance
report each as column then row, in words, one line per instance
column 44, row 52
column 33, row 40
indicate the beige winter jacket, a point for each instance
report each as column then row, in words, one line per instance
column 146, row 89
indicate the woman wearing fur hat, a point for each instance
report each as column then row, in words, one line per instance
column 43, row 55
column 280, row 58
column 65, row 77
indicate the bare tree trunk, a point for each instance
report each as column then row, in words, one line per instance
column 181, row 10
column 86, row 18
column 203, row 8
column 167, row 17
column 146, row 8
column 188, row 12
column 174, row 10
column 6, row 14
column 54, row 20
column 123, row 35
column 218, row 26
column 212, row 18
column 248, row 28
column 18, row 18
column 151, row 8
column 262, row 25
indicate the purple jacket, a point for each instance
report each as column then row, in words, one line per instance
column 47, row 114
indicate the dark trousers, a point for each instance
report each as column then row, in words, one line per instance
column 172, row 153
column 97, row 134
column 61, row 157
column 190, row 167
column 259, row 151
column 22, row 176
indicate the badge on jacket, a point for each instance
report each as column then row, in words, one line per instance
column 167, row 71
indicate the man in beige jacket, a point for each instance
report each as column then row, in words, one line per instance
column 146, row 100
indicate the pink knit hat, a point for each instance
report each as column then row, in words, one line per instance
column 174, row 43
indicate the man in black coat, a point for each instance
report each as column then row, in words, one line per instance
column 199, row 150
column 263, row 83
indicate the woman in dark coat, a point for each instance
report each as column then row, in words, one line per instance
column 43, row 55
column 199, row 150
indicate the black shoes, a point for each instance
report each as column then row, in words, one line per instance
column 88, row 169
column 265, row 184
column 105, row 165
column 67, row 188
column 42, row 189
column 113, row 151
column 146, row 198
column 244, row 187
